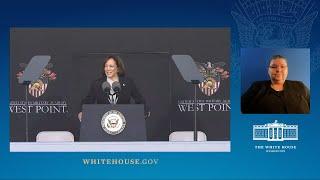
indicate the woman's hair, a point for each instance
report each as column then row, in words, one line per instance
column 119, row 63
column 277, row 57
column 273, row 57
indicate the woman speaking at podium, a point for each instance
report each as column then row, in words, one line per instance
column 113, row 87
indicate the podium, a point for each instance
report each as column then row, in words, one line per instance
column 113, row 122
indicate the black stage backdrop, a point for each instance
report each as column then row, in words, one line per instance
column 76, row 60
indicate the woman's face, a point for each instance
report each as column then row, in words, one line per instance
column 278, row 70
column 111, row 68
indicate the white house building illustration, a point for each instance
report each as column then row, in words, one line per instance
column 275, row 132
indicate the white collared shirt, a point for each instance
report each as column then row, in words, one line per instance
column 112, row 97
column 110, row 81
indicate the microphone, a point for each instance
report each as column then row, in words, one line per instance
column 116, row 87
column 106, row 87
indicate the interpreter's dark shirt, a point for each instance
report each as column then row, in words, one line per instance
column 260, row 98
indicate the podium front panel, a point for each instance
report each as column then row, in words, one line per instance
column 92, row 130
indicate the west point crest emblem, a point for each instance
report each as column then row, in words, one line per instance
column 283, row 23
column 212, row 73
column 39, row 86
column 113, row 122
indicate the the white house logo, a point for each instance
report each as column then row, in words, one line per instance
column 283, row 23
column 39, row 86
column 213, row 73
column 275, row 132
column 113, row 122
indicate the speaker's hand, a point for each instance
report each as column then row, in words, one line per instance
column 147, row 115
column 80, row 116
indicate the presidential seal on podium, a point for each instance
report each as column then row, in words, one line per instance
column 113, row 122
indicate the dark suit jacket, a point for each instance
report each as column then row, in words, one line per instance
column 261, row 98
column 128, row 91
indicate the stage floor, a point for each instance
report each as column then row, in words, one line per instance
column 141, row 146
